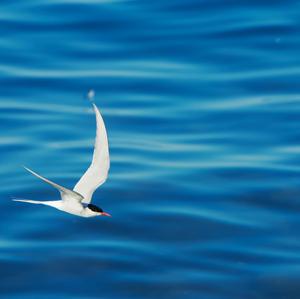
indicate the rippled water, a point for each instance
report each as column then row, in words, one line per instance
column 201, row 102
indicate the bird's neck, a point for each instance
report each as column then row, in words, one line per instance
column 88, row 213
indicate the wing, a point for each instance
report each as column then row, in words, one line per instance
column 66, row 194
column 97, row 173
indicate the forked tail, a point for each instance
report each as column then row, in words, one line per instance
column 52, row 203
column 28, row 200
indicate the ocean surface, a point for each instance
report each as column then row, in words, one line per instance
column 201, row 100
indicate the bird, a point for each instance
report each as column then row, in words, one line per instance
column 78, row 200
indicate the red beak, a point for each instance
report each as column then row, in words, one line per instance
column 105, row 214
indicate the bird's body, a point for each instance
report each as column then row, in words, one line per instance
column 78, row 200
column 69, row 206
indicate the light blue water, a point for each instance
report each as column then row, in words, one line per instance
column 201, row 102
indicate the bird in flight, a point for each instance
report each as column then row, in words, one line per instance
column 78, row 200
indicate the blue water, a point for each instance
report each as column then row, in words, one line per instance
column 201, row 102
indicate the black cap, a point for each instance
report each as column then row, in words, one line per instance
column 95, row 208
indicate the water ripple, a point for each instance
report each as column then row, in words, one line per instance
column 201, row 102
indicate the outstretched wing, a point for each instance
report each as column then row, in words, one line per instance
column 97, row 173
column 66, row 194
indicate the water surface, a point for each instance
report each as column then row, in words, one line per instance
column 201, row 103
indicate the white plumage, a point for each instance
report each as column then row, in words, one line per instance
column 97, row 173
column 73, row 201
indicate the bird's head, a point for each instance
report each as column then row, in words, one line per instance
column 96, row 210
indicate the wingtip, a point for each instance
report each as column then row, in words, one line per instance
column 26, row 168
column 96, row 109
column 91, row 98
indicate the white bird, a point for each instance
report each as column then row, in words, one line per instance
column 78, row 200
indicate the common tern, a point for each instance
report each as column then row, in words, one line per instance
column 78, row 200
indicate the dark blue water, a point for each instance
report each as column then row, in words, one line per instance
column 201, row 102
